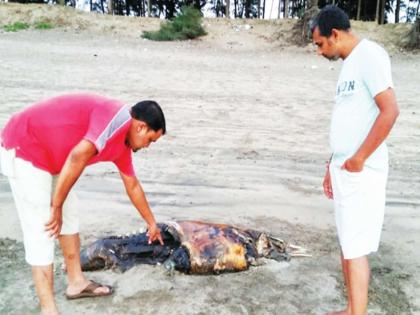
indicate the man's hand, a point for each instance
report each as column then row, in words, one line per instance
column 154, row 234
column 353, row 164
column 71, row 171
column 327, row 185
column 54, row 224
column 138, row 198
column 388, row 113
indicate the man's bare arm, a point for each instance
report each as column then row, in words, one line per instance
column 73, row 167
column 388, row 113
column 138, row 198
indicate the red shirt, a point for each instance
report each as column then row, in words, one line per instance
column 45, row 133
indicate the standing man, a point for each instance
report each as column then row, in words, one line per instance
column 44, row 150
column 365, row 111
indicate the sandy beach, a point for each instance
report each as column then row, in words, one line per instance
column 248, row 120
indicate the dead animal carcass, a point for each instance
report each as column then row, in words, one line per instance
column 189, row 246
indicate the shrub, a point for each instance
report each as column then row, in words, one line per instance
column 17, row 26
column 43, row 26
column 187, row 25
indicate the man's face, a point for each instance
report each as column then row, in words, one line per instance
column 141, row 136
column 327, row 46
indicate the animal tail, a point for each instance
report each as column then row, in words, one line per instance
column 290, row 249
column 297, row 251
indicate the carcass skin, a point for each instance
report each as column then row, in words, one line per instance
column 189, row 246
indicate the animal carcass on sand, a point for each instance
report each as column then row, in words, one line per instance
column 189, row 246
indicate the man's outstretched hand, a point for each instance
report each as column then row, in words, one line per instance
column 154, row 234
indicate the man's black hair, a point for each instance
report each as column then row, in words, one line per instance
column 151, row 113
column 328, row 18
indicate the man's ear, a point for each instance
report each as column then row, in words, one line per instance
column 335, row 34
column 140, row 125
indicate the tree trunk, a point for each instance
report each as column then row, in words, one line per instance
column 258, row 8
column 227, row 9
column 417, row 29
column 263, row 9
column 311, row 11
column 377, row 11
column 149, row 8
column 397, row 11
column 418, row 13
column 127, row 8
column 286, row 9
column 382, row 12
column 140, row 8
column 248, row 8
column 359, row 6
column 110, row 7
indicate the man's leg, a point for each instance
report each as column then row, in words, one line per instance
column 44, row 285
column 344, row 266
column 31, row 188
column 358, row 275
column 70, row 244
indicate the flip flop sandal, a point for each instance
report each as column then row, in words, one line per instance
column 89, row 291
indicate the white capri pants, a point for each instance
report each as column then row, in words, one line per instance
column 359, row 202
column 32, row 190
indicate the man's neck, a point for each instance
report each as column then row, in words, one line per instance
column 350, row 42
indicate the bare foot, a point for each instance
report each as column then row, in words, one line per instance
column 345, row 312
column 49, row 311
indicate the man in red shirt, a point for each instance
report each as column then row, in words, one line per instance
column 44, row 150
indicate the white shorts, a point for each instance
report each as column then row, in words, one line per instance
column 359, row 202
column 32, row 190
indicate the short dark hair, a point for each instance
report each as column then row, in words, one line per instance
column 328, row 18
column 151, row 113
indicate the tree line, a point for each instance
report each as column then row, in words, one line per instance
column 365, row 10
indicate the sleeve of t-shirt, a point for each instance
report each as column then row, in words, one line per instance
column 101, row 125
column 377, row 70
column 124, row 163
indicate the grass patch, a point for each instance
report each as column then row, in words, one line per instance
column 187, row 25
column 17, row 26
column 43, row 26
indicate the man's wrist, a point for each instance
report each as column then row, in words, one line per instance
column 359, row 157
column 151, row 224
column 56, row 205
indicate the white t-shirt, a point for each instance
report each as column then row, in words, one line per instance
column 365, row 73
